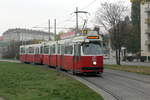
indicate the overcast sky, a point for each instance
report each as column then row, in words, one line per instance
column 30, row 13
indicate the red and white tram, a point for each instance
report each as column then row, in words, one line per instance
column 31, row 53
column 81, row 54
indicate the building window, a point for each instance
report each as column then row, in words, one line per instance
column 148, row 48
column 148, row 36
column 148, row 14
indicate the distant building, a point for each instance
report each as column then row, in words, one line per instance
column 1, row 38
column 2, row 45
column 145, row 29
column 26, row 35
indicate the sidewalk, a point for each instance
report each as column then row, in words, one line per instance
column 9, row 60
column 1, row 98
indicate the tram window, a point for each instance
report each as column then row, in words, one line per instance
column 37, row 51
column 46, row 49
column 22, row 50
column 58, row 50
column 27, row 50
column 62, row 49
column 92, row 48
column 31, row 50
column 52, row 49
column 41, row 49
column 68, row 50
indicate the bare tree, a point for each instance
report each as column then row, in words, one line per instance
column 111, row 15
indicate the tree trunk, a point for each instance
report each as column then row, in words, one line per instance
column 116, row 56
column 119, row 57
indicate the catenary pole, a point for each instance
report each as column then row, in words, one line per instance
column 55, row 28
column 49, row 29
column 76, row 20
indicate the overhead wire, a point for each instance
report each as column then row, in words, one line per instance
column 72, row 15
column 89, row 4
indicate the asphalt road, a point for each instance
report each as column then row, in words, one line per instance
column 112, row 61
column 123, row 85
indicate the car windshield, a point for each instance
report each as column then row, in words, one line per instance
column 92, row 48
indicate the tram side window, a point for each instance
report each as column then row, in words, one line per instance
column 37, row 51
column 31, row 50
column 27, row 50
column 68, row 50
column 62, row 49
column 58, row 49
column 52, row 49
column 22, row 50
column 46, row 49
column 41, row 50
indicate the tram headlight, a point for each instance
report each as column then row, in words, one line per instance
column 94, row 63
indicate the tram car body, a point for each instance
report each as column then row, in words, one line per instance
column 82, row 54
column 31, row 53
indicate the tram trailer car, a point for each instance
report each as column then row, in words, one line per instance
column 82, row 54
column 31, row 54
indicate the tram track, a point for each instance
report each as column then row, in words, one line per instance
column 128, row 86
column 116, row 97
column 122, row 87
column 82, row 77
column 127, row 77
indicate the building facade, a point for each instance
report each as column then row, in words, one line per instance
column 2, row 46
column 26, row 35
column 145, row 29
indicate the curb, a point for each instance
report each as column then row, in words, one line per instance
column 101, row 92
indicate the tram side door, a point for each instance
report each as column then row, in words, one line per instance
column 77, row 54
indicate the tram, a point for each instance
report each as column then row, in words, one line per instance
column 80, row 54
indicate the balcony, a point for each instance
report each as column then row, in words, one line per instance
column 147, row 31
column 147, row 9
column 147, row 21
column 147, row 42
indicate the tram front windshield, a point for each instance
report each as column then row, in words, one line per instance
column 92, row 48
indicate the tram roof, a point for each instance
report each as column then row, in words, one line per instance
column 30, row 45
column 80, row 39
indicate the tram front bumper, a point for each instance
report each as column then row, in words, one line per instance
column 92, row 69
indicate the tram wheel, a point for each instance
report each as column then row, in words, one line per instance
column 73, row 72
